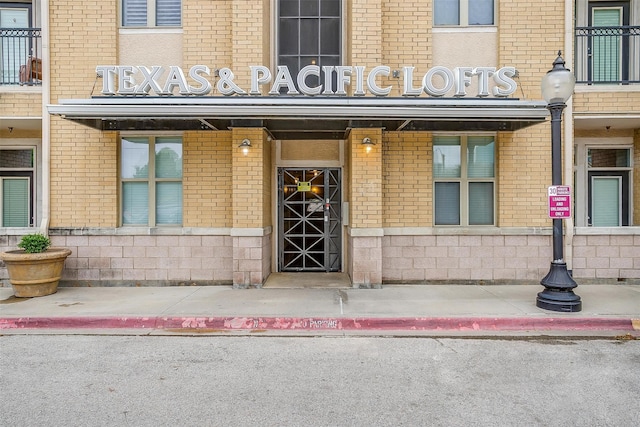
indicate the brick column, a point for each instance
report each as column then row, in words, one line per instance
column 252, row 226
column 364, row 242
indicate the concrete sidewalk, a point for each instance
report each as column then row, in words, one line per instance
column 468, row 310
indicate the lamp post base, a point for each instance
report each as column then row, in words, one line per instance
column 558, row 295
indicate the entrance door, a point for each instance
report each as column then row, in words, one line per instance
column 608, row 200
column 309, row 220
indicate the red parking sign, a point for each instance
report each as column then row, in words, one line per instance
column 559, row 201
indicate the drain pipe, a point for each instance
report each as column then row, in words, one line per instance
column 568, row 132
column 46, row 119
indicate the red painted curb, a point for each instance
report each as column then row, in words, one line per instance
column 323, row 323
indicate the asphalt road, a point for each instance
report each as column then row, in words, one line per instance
column 342, row 381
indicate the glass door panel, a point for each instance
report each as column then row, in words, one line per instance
column 606, row 196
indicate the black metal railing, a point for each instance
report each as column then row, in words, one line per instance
column 607, row 55
column 20, row 56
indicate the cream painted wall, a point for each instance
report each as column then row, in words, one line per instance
column 135, row 48
column 310, row 150
column 480, row 50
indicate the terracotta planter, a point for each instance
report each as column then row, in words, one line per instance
column 35, row 275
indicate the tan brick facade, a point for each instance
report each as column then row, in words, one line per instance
column 21, row 103
column 207, row 33
column 229, row 233
column 207, row 179
column 407, row 188
column 83, row 161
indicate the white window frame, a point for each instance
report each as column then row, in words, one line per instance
column 151, row 16
column 464, row 180
column 627, row 169
column 151, row 179
column 581, row 173
column 464, row 16
column 32, row 200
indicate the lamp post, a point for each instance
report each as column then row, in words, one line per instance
column 557, row 88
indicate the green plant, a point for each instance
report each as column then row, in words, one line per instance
column 34, row 243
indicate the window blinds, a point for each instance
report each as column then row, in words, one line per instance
column 134, row 13
column 168, row 13
column 15, row 202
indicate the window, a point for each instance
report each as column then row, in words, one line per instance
column 16, row 187
column 464, row 180
column 608, row 64
column 607, row 37
column 151, row 177
column 151, row 13
column 16, row 45
column 463, row 12
column 309, row 33
column 608, row 175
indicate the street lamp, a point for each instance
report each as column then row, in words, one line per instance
column 557, row 88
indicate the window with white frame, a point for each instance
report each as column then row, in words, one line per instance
column 17, row 167
column 464, row 179
column 463, row 12
column 151, row 180
column 609, row 186
column 151, row 13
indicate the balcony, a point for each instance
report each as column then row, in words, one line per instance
column 20, row 53
column 607, row 55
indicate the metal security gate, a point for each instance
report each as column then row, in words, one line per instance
column 309, row 232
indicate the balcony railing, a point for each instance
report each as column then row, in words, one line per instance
column 20, row 53
column 608, row 55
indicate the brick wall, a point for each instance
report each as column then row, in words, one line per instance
column 524, row 157
column 80, row 38
column 21, row 104
column 406, row 38
column 366, row 179
column 83, row 176
column 207, row 34
column 207, row 179
column 83, row 160
column 252, row 188
column 364, row 38
column 407, row 186
column 251, row 183
column 524, row 173
column 612, row 101
column 530, row 35
column 250, row 36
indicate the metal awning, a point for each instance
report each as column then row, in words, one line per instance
column 301, row 117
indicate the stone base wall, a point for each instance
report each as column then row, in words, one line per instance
column 601, row 257
column 491, row 258
column 103, row 259
column 365, row 261
column 147, row 260
column 251, row 260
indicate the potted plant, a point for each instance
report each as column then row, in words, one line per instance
column 35, row 269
